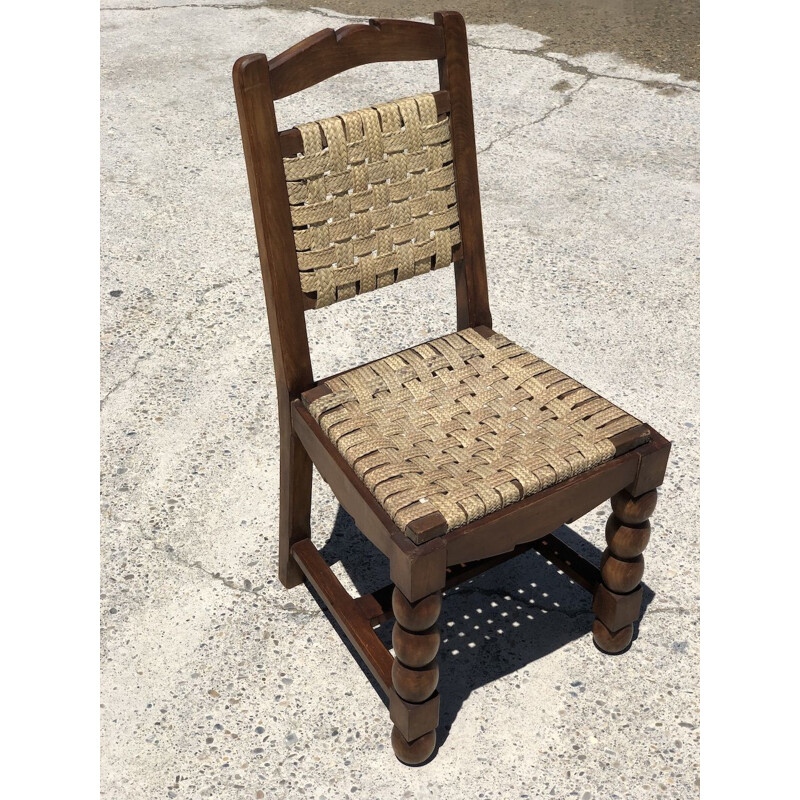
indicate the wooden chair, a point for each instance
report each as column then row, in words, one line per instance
column 455, row 455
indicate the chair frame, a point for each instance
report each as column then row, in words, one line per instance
column 419, row 572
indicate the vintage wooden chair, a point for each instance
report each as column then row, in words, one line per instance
column 452, row 456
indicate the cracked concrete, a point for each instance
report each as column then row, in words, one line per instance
column 580, row 69
column 216, row 681
column 524, row 126
column 662, row 35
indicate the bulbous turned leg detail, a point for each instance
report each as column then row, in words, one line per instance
column 414, row 701
column 618, row 599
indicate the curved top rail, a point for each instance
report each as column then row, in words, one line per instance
column 329, row 52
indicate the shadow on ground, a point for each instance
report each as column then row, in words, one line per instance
column 492, row 625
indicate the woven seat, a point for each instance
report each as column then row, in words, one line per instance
column 463, row 426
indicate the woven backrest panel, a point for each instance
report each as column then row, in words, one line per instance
column 377, row 204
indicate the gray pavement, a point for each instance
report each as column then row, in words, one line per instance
column 216, row 681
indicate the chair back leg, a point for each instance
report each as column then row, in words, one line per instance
column 295, row 504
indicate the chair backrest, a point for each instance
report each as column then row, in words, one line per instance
column 352, row 203
column 373, row 198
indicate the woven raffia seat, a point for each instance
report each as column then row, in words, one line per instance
column 462, row 426
column 451, row 456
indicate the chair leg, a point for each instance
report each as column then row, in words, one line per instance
column 415, row 675
column 295, row 506
column 618, row 599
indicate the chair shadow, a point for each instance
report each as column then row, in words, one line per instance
column 492, row 625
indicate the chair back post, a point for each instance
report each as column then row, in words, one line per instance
column 472, row 293
column 273, row 223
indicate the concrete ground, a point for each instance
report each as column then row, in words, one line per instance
column 216, row 681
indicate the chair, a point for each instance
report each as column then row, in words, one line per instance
column 454, row 455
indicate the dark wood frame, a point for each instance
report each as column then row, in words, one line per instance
column 419, row 572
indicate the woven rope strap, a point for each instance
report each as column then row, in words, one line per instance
column 464, row 425
column 376, row 205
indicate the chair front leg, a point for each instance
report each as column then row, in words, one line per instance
column 618, row 599
column 414, row 701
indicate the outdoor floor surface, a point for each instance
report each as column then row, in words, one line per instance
column 216, row 681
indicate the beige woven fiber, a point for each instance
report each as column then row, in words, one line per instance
column 464, row 425
column 377, row 204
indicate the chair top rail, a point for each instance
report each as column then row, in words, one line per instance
column 329, row 52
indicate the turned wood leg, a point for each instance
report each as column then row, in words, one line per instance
column 294, row 521
column 414, row 701
column 618, row 599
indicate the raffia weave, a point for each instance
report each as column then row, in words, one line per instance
column 376, row 205
column 464, row 425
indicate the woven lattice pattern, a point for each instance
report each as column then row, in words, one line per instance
column 377, row 204
column 464, row 425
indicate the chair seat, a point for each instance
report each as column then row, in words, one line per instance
column 452, row 430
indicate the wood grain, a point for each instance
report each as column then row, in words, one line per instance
column 329, row 52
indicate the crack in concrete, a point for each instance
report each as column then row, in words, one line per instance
column 219, row 6
column 239, row 7
column 517, row 128
column 578, row 69
column 200, row 297
column 169, row 551
column 671, row 610
column 120, row 383
column 540, row 52
column 322, row 12
column 172, row 555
